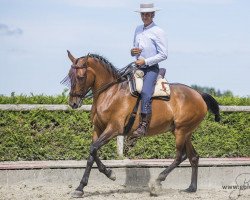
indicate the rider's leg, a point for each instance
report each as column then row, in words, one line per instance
column 149, row 82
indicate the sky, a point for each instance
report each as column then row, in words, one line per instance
column 208, row 41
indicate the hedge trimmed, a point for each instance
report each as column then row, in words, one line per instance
column 59, row 135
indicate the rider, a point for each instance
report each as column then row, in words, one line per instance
column 150, row 48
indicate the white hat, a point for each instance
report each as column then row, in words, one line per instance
column 147, row 7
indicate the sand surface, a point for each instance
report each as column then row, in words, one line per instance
column 28, row 191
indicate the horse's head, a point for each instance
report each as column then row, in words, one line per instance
column 79, row 79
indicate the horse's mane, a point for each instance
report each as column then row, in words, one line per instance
column 70, row 79
column 108, row 65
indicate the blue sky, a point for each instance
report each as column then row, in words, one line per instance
column 208, row 41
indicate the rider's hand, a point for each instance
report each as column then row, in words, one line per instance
column 140, row 62
column 135, row 51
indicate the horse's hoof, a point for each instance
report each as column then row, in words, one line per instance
column 155, row 188
column 190, row 190
column 112, row 176
column 77, row 194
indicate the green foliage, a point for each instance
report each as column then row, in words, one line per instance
column 237, row 101
column 161, row 146
column 54, row 135
column 63, row 99
column 41, row 135
column 38, row 99
column 229, row 138
column 59, row 135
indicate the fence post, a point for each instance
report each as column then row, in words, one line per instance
column 120, row 143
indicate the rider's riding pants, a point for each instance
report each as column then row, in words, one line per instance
column 149, row 81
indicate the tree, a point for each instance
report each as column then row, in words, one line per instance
column 212, row 91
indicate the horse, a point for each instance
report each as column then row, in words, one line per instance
column 113, row 104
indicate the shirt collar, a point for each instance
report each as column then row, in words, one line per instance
column 149, row 26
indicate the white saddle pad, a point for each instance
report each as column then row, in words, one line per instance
column 162, row 88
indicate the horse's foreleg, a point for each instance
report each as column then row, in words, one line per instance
column 103, row 169
column 84, row 181
column 105, row 137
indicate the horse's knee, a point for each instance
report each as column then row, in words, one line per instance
column 93, row 150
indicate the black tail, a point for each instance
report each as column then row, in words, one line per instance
column 212, row 105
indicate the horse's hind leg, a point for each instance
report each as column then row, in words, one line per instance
column 194, row 160
column 180, row 157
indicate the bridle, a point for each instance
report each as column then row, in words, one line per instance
column 102, row 88
column 84, row 66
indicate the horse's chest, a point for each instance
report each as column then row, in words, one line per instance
column 101, row 118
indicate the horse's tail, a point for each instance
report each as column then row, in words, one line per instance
column 212, row 105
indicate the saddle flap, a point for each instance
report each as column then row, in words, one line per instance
column 162, row 89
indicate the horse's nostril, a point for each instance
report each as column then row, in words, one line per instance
column 73, row 105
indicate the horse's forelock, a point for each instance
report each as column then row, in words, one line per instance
column 70, row 79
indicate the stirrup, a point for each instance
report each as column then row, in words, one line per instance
column 141, row 130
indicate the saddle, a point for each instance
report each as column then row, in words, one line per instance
column 135, row 79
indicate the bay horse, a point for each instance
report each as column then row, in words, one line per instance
column 113, row 104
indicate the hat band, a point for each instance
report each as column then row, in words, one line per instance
column 147, row 10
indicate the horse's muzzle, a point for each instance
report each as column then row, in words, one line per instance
column 74, row 105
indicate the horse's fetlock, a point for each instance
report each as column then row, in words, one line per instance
column 102, row 169
column 90, row 161
column 83, row 183
column 161, row 178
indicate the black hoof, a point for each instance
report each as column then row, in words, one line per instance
column 112, row 176
column 77, row 194
column 190, row 190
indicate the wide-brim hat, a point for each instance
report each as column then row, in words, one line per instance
column 147, row 7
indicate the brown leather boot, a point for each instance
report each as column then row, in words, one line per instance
column 143, row 126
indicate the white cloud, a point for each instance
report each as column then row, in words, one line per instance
column 6, row 30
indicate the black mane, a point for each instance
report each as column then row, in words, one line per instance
column 109, row 66
column 70, row 79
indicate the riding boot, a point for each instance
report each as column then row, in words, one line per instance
column 143, row 126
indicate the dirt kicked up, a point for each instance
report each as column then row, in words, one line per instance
column 62, row 192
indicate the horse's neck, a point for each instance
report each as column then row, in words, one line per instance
column 104, row 97
column 103, row 80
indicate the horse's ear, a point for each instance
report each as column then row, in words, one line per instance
column 71, row 57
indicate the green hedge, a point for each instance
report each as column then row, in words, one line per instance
column 59, row 135
column 63, row 99
column 38, row 99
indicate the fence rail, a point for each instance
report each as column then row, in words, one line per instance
column 61, row 107
column 54, row 107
